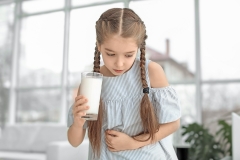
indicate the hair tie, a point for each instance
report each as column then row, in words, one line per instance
column 146, row 90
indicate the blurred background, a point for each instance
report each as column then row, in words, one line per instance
column 46, row 44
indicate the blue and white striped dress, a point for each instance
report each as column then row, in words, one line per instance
column 121, row 96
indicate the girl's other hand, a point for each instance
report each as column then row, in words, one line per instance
column 79, row 110
column 118, row 141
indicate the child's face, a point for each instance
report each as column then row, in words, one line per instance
column 118, row 54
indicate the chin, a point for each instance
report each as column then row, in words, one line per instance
column 116, row 74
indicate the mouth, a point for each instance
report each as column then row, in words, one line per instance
column 118, row 71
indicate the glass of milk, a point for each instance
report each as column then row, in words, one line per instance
column 91, row 85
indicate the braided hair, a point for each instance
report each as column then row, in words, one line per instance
column 94, row 127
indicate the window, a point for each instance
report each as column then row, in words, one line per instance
column 88, row 2
column 170, row 30
column 83, row 40
column 41, row 5
column 48, row 65
column 38, row 72
column 219, row 100
column 220, row 37
column 6, row 32
column 170, row 42
column 41, row 52
column 39, row 105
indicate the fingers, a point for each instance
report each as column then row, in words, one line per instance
column 80, row 106
column 108, row 141
column 81, row 111
column 78, row 97
column 80, row 103
column 112, row 149
column 113, row 133
column 110, row 146
column 80, row 114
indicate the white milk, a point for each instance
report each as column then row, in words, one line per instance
column 91, row 89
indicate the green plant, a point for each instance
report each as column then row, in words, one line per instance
column 204, row 145
column 225, row 137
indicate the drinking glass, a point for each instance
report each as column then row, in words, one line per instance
column 91, row 85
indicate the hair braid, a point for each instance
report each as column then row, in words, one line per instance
column 94, row 127
column 148, row 116
column 96, row 63
column 142, row 65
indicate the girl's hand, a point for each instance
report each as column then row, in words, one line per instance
column 79, row 110
column 118, row 141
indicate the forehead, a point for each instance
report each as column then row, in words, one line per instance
column 118, row 43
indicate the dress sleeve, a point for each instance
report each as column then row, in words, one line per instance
column 70, row 119
column 166, row 104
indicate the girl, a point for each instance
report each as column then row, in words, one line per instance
column 138, row 108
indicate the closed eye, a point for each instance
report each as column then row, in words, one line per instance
column 110, row 54
column 129, row 56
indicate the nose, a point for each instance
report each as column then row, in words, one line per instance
column 119, row 62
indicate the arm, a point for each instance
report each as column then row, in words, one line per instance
column 157, row 80
column 164, row 131
column 117, row 141
column 76, row 135
column 76, row 132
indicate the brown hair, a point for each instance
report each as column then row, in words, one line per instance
column 126, row 23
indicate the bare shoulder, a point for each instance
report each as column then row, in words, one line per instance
column 156, row 75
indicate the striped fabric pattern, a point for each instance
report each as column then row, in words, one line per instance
column 121, row 97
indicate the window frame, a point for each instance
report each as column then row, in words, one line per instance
column 13, row 89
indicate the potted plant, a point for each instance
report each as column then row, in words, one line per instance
column 206, row 146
